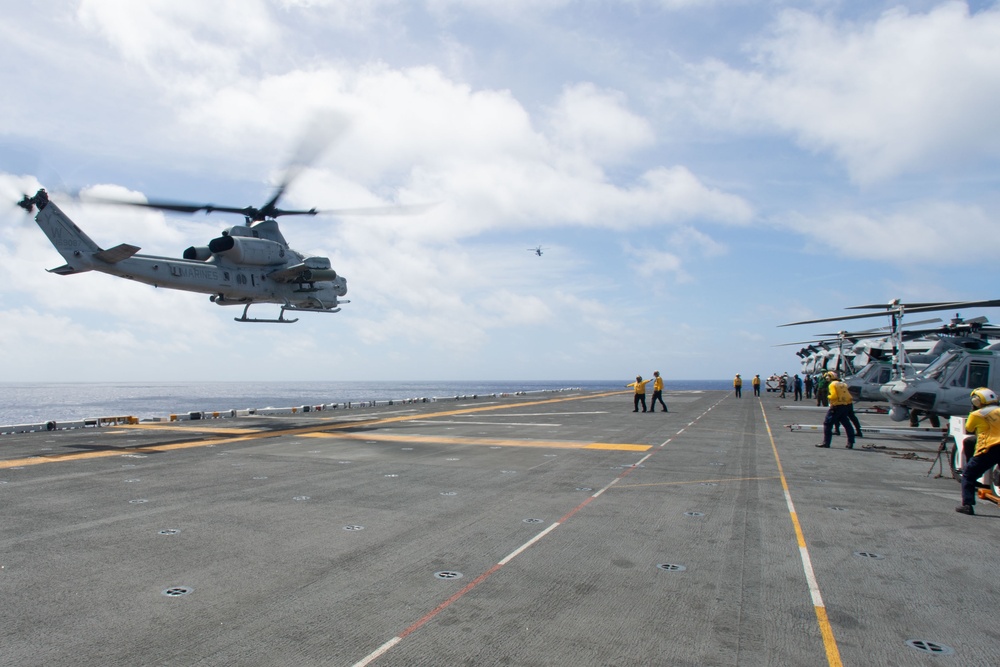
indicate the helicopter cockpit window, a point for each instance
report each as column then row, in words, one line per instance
column 939, row 369
column 959, row 380
column 979, row 374
column 883, row 377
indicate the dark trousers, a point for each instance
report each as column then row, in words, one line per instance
column 756, row 390
column 798, row 394
column 738, row 391
column 974, row 469
column 854, row 419
column 837, row 414
column 657, row 396
column 639, row 398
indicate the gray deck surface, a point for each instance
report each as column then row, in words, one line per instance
column 490, row 532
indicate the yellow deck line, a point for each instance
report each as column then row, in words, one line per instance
column 220, row 430
column 262, row 434
column 819, row 607
column 455, row 440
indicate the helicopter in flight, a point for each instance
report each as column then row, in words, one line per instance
column 537, row 250
column 943, row 386
column 245, row 265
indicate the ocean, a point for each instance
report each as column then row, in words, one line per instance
column 40, row 402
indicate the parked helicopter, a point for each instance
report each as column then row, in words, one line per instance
column 245, row 265
column 943, row 386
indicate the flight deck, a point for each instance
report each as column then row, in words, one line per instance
column 554, row 529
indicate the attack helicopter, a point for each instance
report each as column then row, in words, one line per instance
column 247, row 264
column 943, row 386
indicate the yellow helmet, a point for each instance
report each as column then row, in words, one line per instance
column 830, row 375
column 983, row 396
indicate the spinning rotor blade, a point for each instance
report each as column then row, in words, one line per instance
column 895, row 309
column 400, row 209
column 322, row 130
column 186, row 207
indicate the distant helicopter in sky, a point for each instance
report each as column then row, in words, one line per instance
column 537, row 250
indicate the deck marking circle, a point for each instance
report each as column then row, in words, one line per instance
column 354, row 527
column 532, row 520
column 708, row 484
column 449, row 493
column 671, row 567
column 584, row 488
column 694, row 514
column 261, row 477
column 300, row 498
column 169, row 531
column 869, row 554
column 138, row 501
column 930, row 647
column 392, row 474
column 448, row 574
column 839, row 509
column 177, row 591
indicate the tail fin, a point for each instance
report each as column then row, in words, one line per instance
column 71, row 242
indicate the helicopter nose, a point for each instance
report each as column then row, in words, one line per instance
column 895, row 391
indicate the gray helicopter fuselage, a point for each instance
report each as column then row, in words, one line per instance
column 245, row 265
column 944, row 386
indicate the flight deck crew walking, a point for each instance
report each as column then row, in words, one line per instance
column 840, row 399
column 797, row 385
column 756, row 384
column 640, row 392
column 738, row 385
column 657, row 393
column 985, row 423
column 822, row 389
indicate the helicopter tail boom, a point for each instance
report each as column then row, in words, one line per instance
column 72, row 243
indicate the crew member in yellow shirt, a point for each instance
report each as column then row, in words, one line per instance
column 738, row 386
column 984, row 421
column 640, row 392
column 840, row 403
column 657, row 392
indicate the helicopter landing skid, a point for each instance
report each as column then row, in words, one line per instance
column 281, row 317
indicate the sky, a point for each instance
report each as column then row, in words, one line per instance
column 697, row 172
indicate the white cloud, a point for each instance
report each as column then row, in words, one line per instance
column 920, row 232
column 187, row 34
column 650, row 263
column 900, row 94
column 597, row 124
